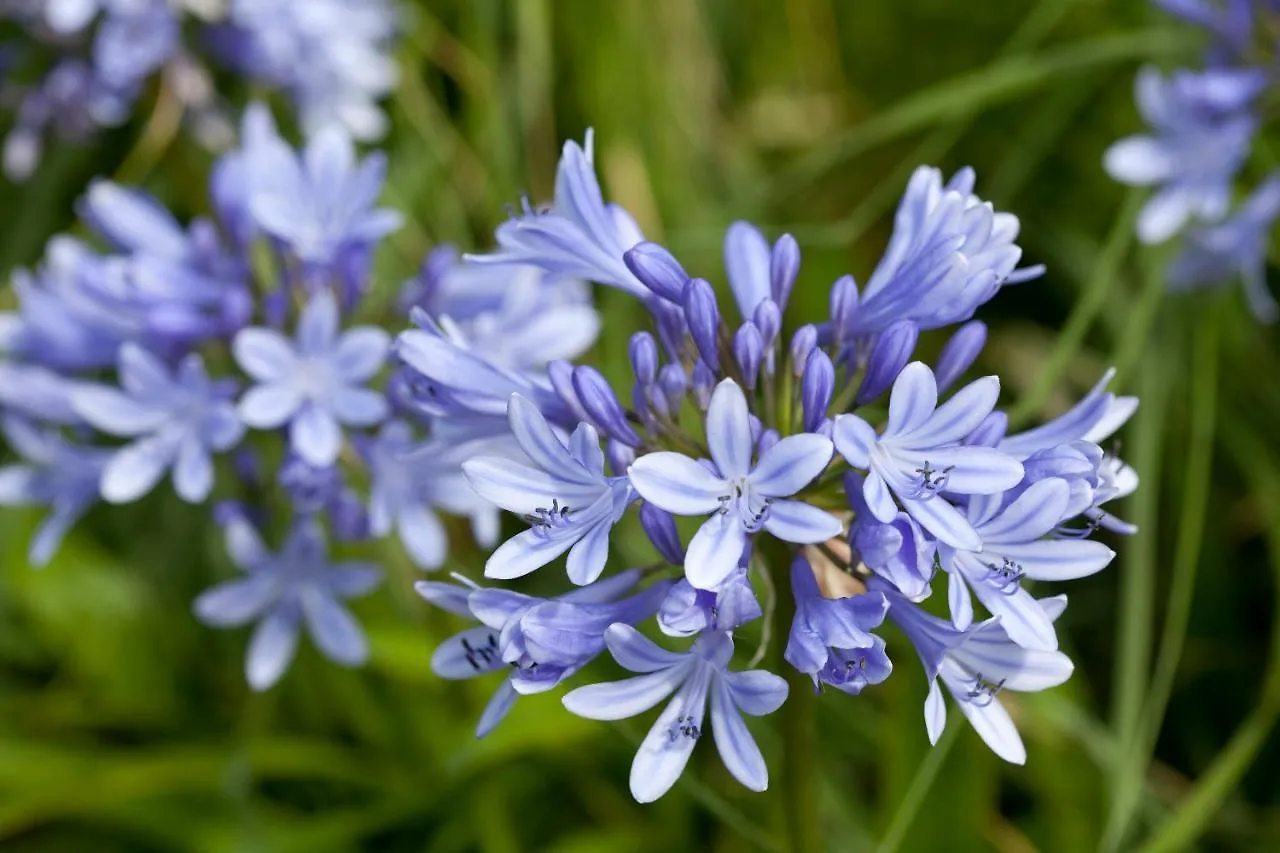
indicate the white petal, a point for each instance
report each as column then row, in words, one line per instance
column 796, row 521
column 1138, row 161
column 523, row 553
column 619, row 700
column 729, row 431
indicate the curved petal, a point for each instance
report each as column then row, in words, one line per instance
column 236, row 602
column 334, row 630
column 193, row 471
column 791, row 464
column 494, row 712
column 729, row 431
column 467, row 654
column 975, row 470
column 994, row 725
column 272, row 648
column 1036, row 511
column 935, row 712
column 636, row 652
column 315, row 436
column 796, row 521
column 358, row 407
column 520, row 489
column 264, row 354
column 854, row 439
column 714, row 551
column 269, row 406
column 135, row 469
column 618, row 700
column 423, row 536
column 959, row 416
column 1059, row 559
column 959, row 601
column 112, row 412
column 360, row 354
column 913, row 399
column 589, row 554
column 541, row 445
column 525, row 552
column 351, row 580
column 676, row 483
column 875, row 491
column 756, row 692
column 318, row 325
column 738, row 749
column 665, row 751
column 944, row 521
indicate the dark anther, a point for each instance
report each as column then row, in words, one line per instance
column 983, row 692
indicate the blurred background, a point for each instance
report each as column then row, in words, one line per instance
column 126, row 726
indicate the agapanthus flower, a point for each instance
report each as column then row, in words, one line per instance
column 178, row 420
column 740, row 497
column 283, row 591
column 315, row 383
column 918, row 457
column 693, row 676
column 831, row 638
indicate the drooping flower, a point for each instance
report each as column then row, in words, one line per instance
column 1201, row 132
column 831, row 639
column 741, row 498
column 567, row 498
column 283, row 591
column 314, row 383
column 918, row 457
column 177, row 419
column 692, row 676
column 900, row 551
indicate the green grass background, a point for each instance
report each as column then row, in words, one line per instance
column 125, row 726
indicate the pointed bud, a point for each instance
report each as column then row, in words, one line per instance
column 748, row 349
column 891, row 353
column 959, row 353
column 644, row 357
column 668, row 318
column 657, row 270
column 768, row 320
column 817, row 388
column 990, row 432
column 660, row 527
column 561, row 375
column 602, row 406
column 802, row 343
column 674, row 385
column 784, row 265
column 844, row 306
column 768, row 439
column 704, row 382
column 703, row 317
column 620, row 457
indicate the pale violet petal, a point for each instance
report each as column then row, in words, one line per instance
column 875, row 491
column 1138, row 161
column 676, row 483
column 236, row 602
column 494, row 712
column 423, row 536
column 913, row 399
column 738, row 749
column 975, row 470
column 358, row 407
column 993, row 724
column 729, row 431
column 135, row 469
column 318, row 325
column 272, row 648
column 959, row 601
column 588, row 556
column 935, row 712
column 112, row 412
column 467, row 654
column 714, row 551
column 523, row 490
column 944, row 521
column 854, row 439
column 269, row 406
column 524, row 553
column 756, row 692
column 791, row 464
column 618, row 700
column 665, row 751
column 636, row 652
column 264, row 354
column 361, row 353
column 193, row 471
column 959, row 416
column 1059, row 559
column 541, row 445
column 1035, row 512
column 334, row 630
column 315, row 436
column 797, row 521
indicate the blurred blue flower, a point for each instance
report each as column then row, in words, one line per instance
column 1201, row 132
column 918, row 457
column 741, row 498
column 283, row 590
column 692, row 676
column 315, row 383
column 54, row 473
column 177, row 418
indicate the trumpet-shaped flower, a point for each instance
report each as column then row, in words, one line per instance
column 692, row 676
column 742, row 498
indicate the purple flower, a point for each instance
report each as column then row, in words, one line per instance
column 827, row 634
column 740, row 497
column 281, row 591
column 178, row 420
column 580, row 236
column 539, row 642
column 53, row 473
column 314, row 383
column 567, row 498
column 919, row 459
column 899, row 551
column 1201, row 134
column 692, row 676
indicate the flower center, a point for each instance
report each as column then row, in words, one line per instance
column 929, row 481
column 983, row 692
column 683, row 727
column 1005, row 576
column 547, row 519
column 480, row 657
column 751, row 506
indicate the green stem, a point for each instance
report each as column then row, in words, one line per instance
column 798, row 786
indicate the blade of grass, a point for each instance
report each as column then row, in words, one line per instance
column 1191, row 524
column 1067, row 346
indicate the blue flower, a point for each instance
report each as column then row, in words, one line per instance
column 538, row 642
column 976, row 666
column 567, row 498
column 950, row 252
column 692, row 676
column 919, row 459
column 410, row 481
column 177, row 419
column 281, row 591
column 580, row 236
column 54, row 473
column 899, row 551
column 1236, row 247
column 740, row 497
column 827, row 634
column 313, row 490
column 320, row 204
column 1201, row 134
column 1014, row 548
column 315, row 383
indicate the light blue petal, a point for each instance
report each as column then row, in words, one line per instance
column 791, row 464
column 334, row 630
column 584, row 446
column 222, row 428
column 524, row 553
column 502, row 701
column 666, row 748
column 913, row 399
column 135, row 469
column 269, row 406
column 446, row 596
column 799, row 522
column 264, row 354
column 523, row 490
column 272, row 648
column 994, row 725
column 875, row 491
column 944, row 521
column 975, row 470
column 619, row 700
column 746, row 264
column 1026, row 670
column 237, row 602
column 423, row 536
column 1036, row 511
column 959, row 601
column 636, row 652
column 541, row 445
column 714, row 551
column 957, row 417
column 314, row 435
column 755, row 691
column 606, row 590
column 358, row 407
column 1059, row 559
column 193, row 471
column 318, row 325
column 729, row 431
column 1138, row 161
column 112, row 412
column 467, row 654
column 935, row 712
column 351, row 580
column 854, row 439
column 1164, row 214
column 738, row 750
column 676, row 483
column 588, row 556
column 17, row 485
column 1020, row 616
column 360, row 354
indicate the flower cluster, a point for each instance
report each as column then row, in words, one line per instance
column 1202, row 126
column 825, row 462
column 224, row 356
column 88, row 62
